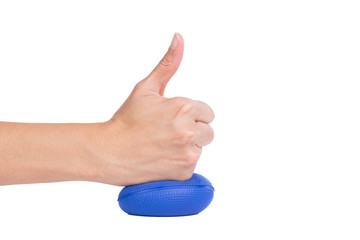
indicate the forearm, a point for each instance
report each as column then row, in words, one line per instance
column 32, row 153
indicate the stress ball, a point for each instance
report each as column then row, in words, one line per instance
column 167, row 198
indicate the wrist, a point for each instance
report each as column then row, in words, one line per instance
column 91, row 152
column 109, row 149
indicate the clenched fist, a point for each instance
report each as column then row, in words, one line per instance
column 149, row 138
column 152, row 137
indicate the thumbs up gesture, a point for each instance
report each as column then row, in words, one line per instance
column 151, row 137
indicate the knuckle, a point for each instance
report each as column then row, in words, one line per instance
column 190, row 134
column 187, row 136
column 191, row 158
column 188, row 107
column 184, row 105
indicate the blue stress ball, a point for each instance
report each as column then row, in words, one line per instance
column 167, row 198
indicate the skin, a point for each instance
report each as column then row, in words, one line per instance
column 149, row 138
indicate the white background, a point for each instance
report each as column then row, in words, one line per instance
column 283, row 80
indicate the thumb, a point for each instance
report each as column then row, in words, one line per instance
column 162, row 73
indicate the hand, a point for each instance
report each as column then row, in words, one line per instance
column 151, row 137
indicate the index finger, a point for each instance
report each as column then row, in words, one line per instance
column 203, row 113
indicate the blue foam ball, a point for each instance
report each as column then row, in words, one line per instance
column 167, row 198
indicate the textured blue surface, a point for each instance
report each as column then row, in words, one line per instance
column 167, row 198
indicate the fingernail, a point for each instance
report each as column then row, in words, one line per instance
column 174, row 41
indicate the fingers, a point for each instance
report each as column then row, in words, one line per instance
column 203, row 112
column 205, row 134
column 195, row 116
